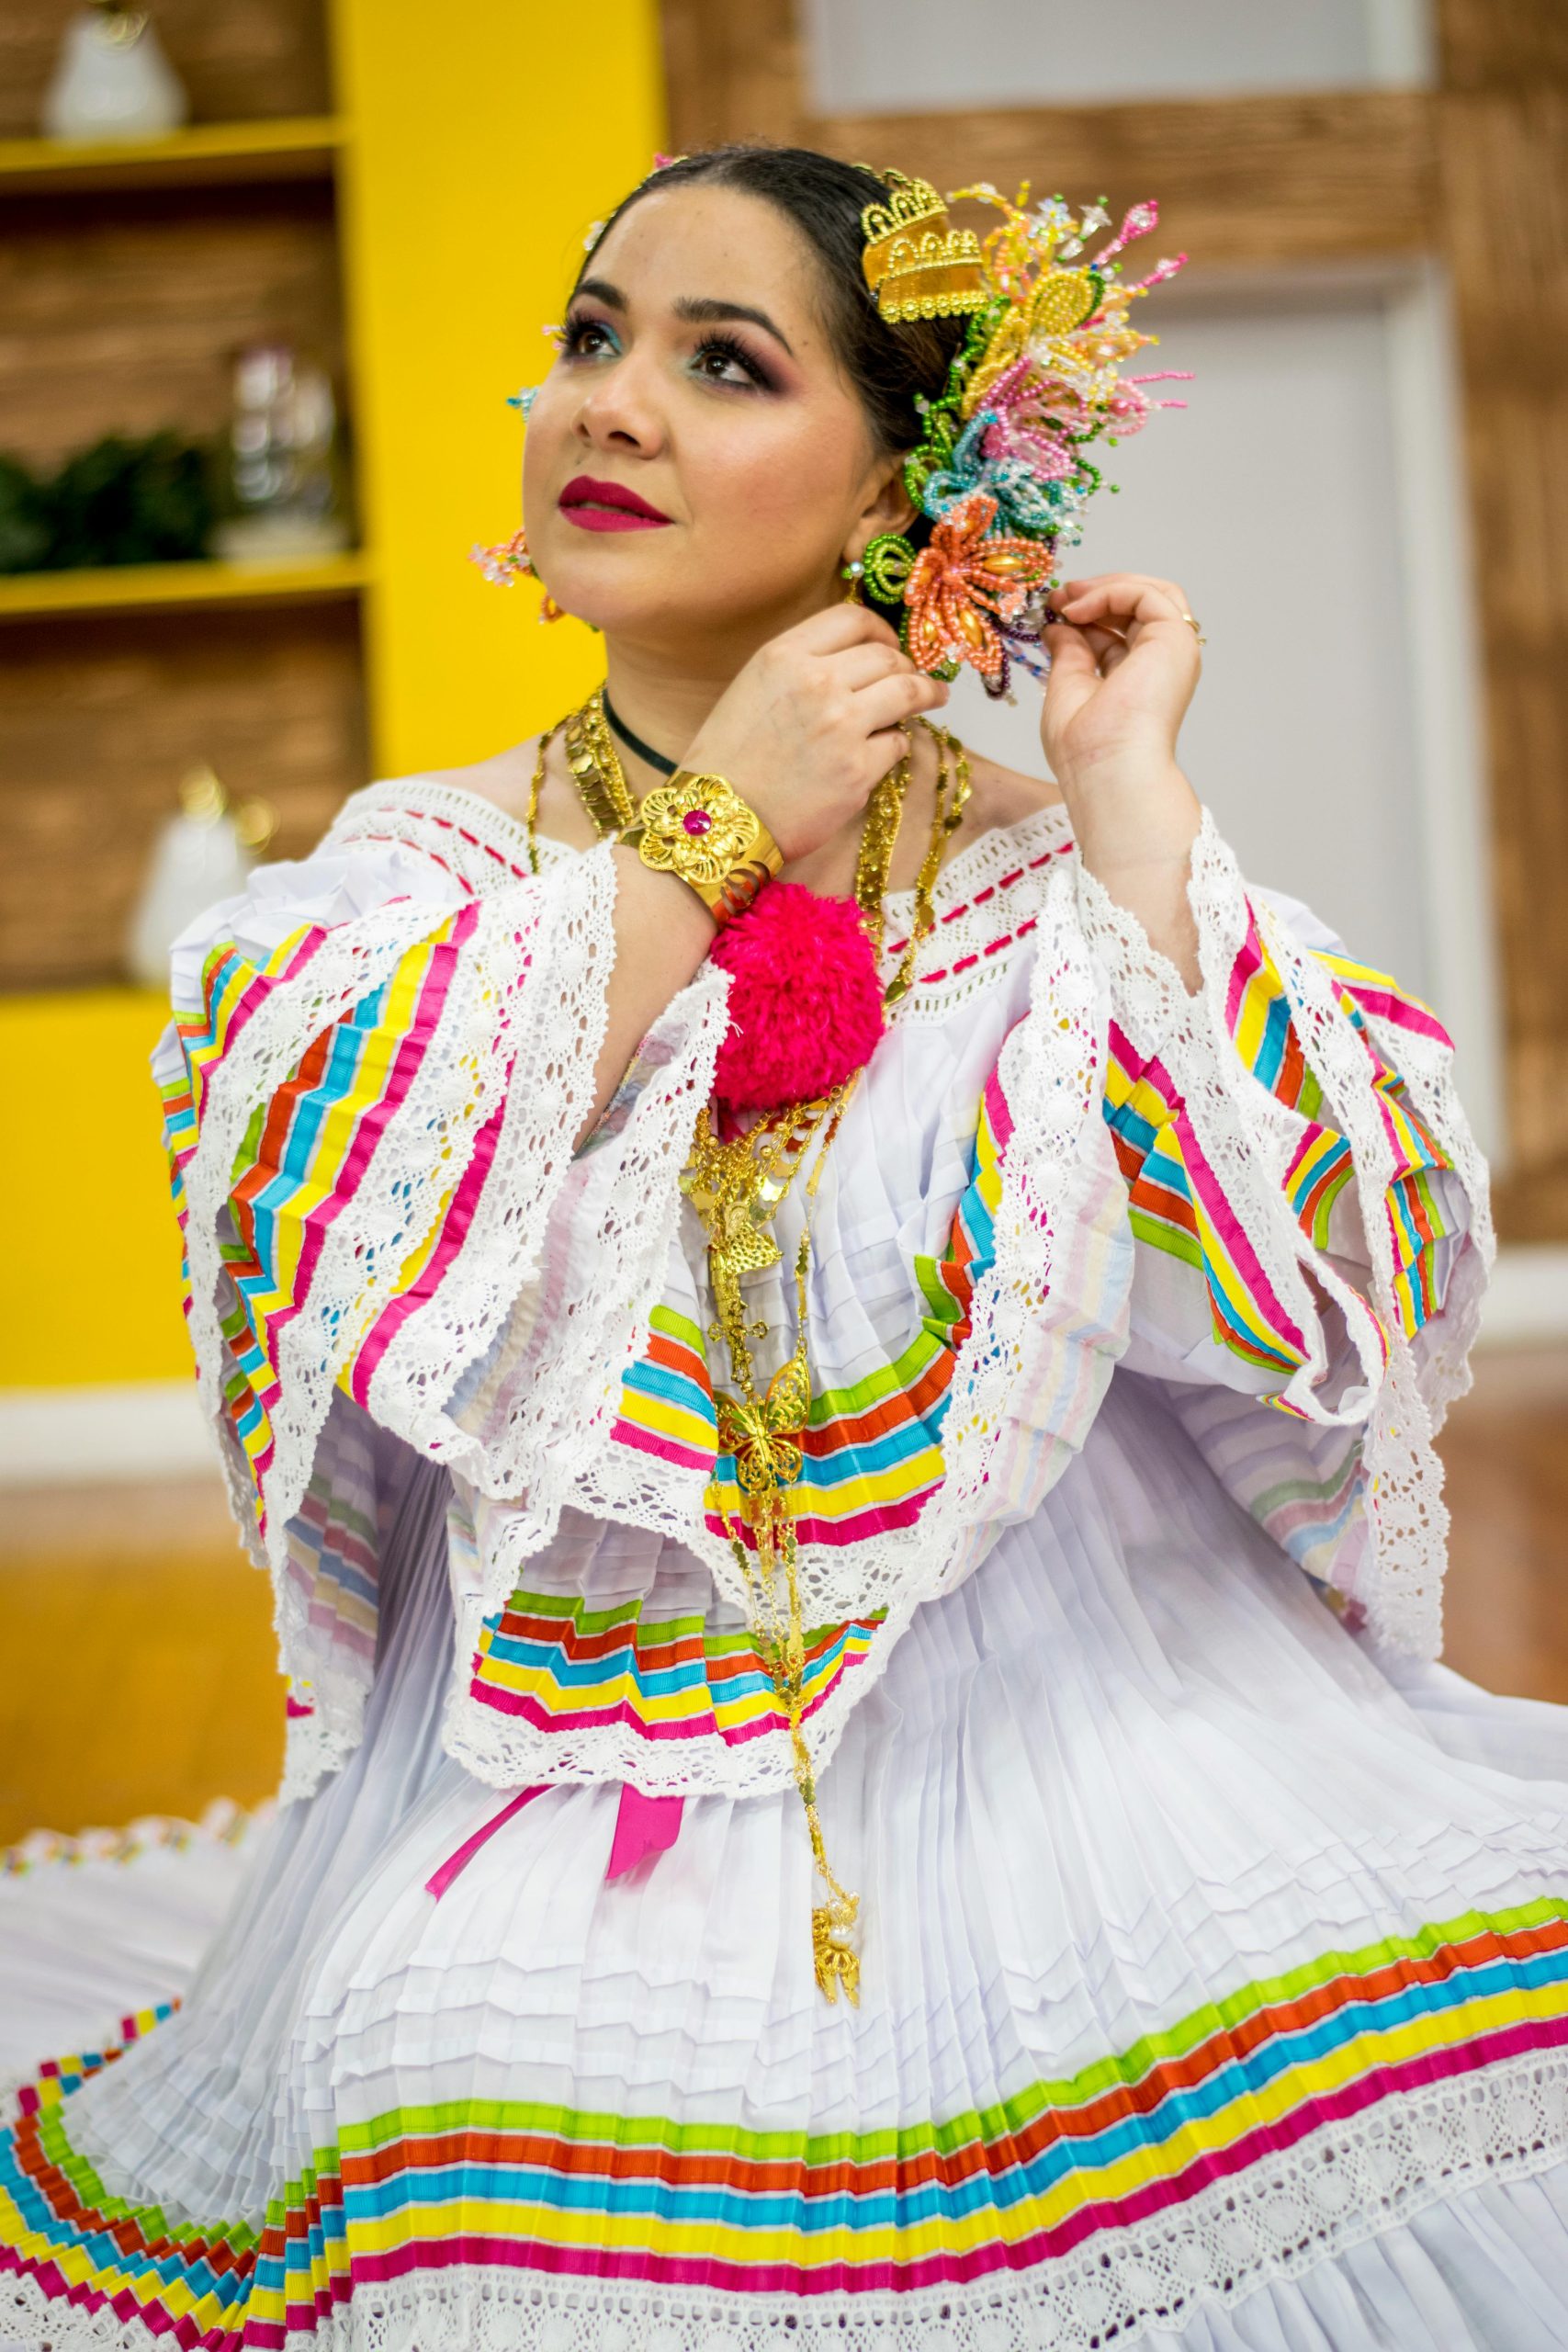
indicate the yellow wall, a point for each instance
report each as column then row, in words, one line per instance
column 489, row 138
column 486, row 138
column 89, row 1281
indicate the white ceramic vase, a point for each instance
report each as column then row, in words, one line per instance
column 199, row 857
column 112, row 80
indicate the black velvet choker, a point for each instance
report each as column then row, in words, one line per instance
column 634, row 742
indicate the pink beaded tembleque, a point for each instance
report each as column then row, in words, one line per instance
column 507, row 562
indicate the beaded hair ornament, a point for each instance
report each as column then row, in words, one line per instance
column 1001, row 471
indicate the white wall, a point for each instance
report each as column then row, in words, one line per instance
column 890, row 56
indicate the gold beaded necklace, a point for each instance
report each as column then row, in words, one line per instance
column 736, row 1184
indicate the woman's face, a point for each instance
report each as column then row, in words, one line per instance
column 696, row 382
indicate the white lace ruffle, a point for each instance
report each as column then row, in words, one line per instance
column 515, row 1387
column 465, row 835
column 1048, row 1321
column 1278, row 2220
column 520, row 1031
column 223, row 1823
column 1393, row 1563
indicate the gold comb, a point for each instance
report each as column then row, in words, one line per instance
column 915, row 263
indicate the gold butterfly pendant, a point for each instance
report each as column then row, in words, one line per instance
column 764, row 1435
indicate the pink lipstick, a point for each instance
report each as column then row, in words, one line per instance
column 608, row 506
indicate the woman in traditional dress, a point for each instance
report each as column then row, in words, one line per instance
column 834, row 1351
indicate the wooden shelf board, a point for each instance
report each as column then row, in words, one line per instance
column 28, row 595
column 286, row 147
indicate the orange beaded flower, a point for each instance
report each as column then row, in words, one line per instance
column 963, row 583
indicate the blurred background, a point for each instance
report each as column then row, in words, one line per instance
column 268, row 270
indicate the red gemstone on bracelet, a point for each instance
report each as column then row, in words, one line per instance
column 697, row 821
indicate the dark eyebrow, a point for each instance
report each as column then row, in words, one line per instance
column 697, row 309
column 700, row 309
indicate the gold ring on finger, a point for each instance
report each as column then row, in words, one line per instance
column 1192, row 624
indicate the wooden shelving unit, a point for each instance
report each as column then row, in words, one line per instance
column 207, row 155
column 130, row 275
column 413, row 245
column 131, row 587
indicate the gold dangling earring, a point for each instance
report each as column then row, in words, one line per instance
column 854, row 573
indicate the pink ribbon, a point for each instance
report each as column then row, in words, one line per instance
column 441, row 1879
column 643, row 1825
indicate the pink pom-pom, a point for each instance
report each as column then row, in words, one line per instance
column 804, row 999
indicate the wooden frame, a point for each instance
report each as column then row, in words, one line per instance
column 1473, row 174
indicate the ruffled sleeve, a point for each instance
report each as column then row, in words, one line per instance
column 378, row 1062
column 1310, row 1215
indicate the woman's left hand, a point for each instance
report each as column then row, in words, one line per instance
column 1124, row 663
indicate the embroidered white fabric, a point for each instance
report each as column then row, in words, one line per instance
column 1247, row 1137
column 1335, row 2189
column 988, row 904
column 521, row 1029
column 473, row 840
column 1000, row 1454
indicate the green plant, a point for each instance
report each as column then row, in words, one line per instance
column 121, row 500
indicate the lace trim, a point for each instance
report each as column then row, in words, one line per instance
column 1248, row 1136
column 223, row 1824
column 1016, row 1415
column 459, row 1084
column 476, row 842
column 322, row 1740
column 553, row 1049
column 353, row 959
column 988, row 894
column 1289, row 2213
column 989, row 900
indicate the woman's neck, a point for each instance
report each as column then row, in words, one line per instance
column 664, row 691
column 664, row 705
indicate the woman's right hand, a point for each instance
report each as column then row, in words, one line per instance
column 810, row 726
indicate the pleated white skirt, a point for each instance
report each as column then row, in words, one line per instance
column 1131, row 1798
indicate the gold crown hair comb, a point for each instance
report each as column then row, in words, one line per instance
column 915, row 264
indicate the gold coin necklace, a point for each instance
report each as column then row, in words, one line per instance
column 736, row 1183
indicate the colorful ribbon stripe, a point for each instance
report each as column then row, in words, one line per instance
column 1002, row 2190
column 1177, row 1202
